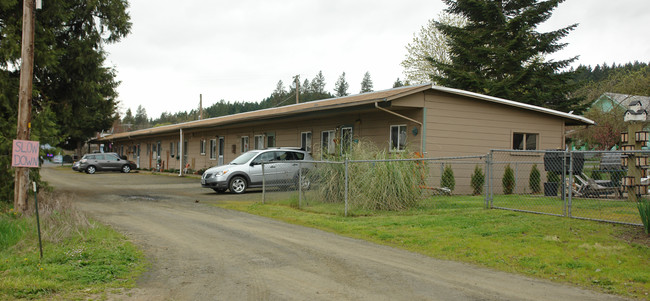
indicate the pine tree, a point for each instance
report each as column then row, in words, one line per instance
column 398, row 83
column 141, row 120
column 279, row 89
column 128, row 119
column 318, row 83
column 499, row 53
column 341, row 86
column 366, row 83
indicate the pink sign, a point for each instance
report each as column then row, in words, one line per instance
column 25, row 153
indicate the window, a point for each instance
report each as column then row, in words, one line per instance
column 171, row 149
column 327, row 142
column 213, row 149
column 178, row 151
column 202, row 146
column 244, row 144
column 305, row 141
column 259, row 141
column 397, row 137
column 270, row 139
column 524, row 141
column 346, row 139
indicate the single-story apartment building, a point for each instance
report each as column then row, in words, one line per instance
column 432, row 120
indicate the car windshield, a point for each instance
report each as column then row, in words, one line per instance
column 243, row 158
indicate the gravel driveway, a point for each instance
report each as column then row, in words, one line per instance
column 201, row 252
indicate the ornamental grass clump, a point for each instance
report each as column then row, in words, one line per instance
column 644, row 211
column 377, row 185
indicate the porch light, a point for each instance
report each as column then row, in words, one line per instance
column 624, row 137
column 641, row 136
column 641, row 161
column 628, row 181
column 642, row 189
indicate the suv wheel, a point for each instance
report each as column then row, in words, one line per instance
column 126, row 168
column 91, row 169
column 238, row 185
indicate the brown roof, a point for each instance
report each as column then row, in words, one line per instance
column 333, row 103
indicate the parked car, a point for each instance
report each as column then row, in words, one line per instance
column 281, row 168
column 90, row 163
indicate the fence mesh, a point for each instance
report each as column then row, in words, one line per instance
column 587, row 185
column 584, row 185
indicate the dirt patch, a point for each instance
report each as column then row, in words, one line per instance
column 634, row 235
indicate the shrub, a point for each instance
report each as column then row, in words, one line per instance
column 477, row 181
column 508, row 180
column 447, row 180
column 552, row 177
column 534, row 180
column 644, row 211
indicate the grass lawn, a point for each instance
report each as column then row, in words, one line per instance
column 601, row 256
column 78, row 263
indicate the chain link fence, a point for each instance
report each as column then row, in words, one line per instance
column 578, row 184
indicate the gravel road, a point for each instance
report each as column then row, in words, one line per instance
column 202, row 252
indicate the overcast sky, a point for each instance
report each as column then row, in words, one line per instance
column 238, row 50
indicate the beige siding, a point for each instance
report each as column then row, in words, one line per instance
column 462, row 126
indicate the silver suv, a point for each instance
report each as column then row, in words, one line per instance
column 281, row 168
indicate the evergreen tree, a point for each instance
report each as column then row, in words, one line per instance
column 306, row 87
column 128, row 119
column 318, row 83
column 398, row 83
column 499, row 53
column 341, row 86
column 141, row 120
column 73, row 92
column 279, row 89
column 366, row 83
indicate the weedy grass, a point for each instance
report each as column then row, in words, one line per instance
column 606, row 257
column 80, row 257
column 380, row 185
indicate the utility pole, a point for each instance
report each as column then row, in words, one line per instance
column 297, row 79
column 200, row 106
column 25, row 101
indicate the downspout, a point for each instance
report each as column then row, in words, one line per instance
column 180, row 154
column 404, row 117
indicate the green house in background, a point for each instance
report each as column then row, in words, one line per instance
column 608, row 101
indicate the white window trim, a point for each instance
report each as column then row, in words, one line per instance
column 202, row 147
column 213, row 146
column 390, row 138
column 331, row 136
column 308, row 145
column 255, row 142
column 350, row 141
column 245, row 146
